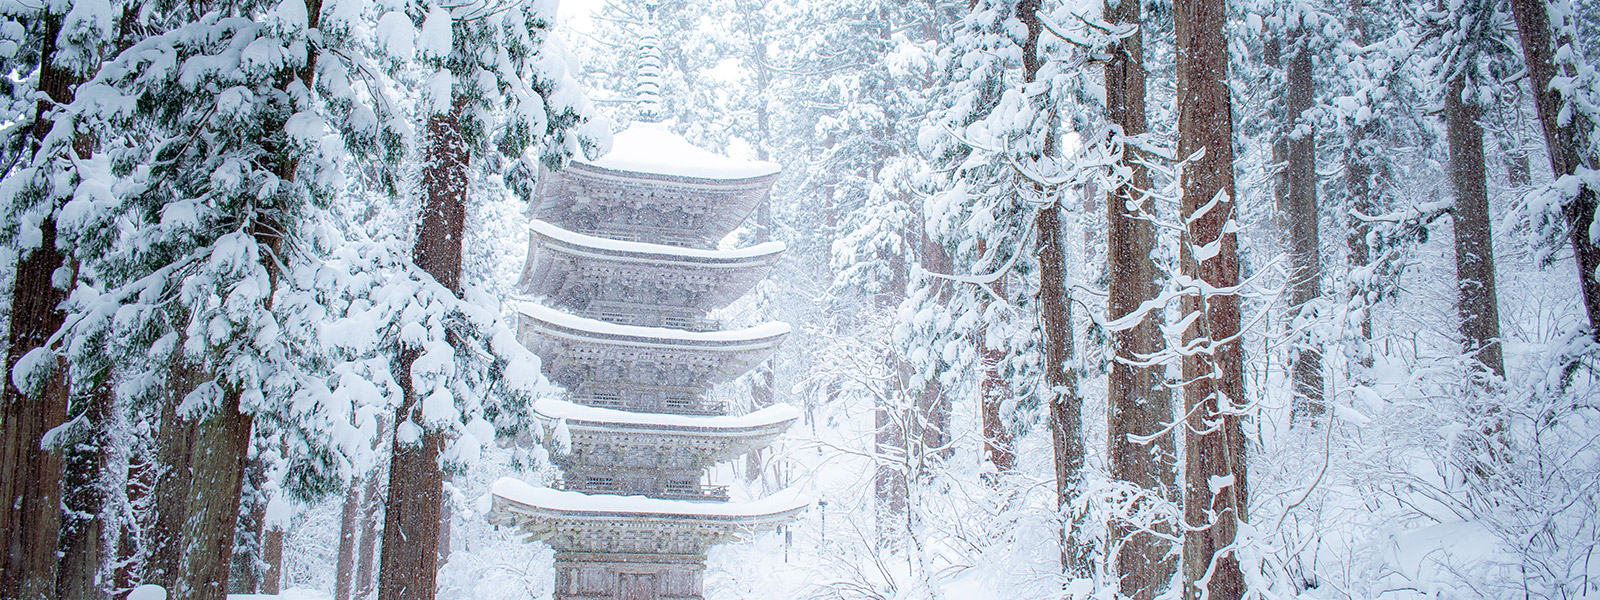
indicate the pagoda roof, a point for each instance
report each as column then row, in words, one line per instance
column 562, row 325
column 515, row 497
column 758, row 254
column 655, row 189
column 646, row 147
column 772, row 420
column 556, row 254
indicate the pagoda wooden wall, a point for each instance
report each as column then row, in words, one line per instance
column 632, row 579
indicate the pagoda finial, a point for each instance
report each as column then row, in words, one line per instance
column 648, row 94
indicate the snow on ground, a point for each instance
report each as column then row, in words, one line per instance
column 156, row 592
column 294, row 594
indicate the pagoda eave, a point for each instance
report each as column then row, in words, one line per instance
column 594, row 199
column 767, row 422
column 513, row 498
column 686, row 181
column 562, row 326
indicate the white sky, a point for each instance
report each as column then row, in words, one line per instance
column 574, row 14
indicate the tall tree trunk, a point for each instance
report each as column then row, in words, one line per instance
column 933, row 405
column 373, row 501
column 1475, row 293
column 1358, row 186
column 1055, row 319
column 30, row 475
column 349, row 522
column 272, row 554
column 895, row 420
column 219, row 458
column 1305, row 285
column 136, row 514
column 994, row 390
column 893, row 455
column 88, row 456
column 1358, row 175
column 410, row 557
column 245, row 572
column 446, row 516
column 1272, row 56
column 998, row 444
column 1214, row 448
column 1066, row 418
column 1138, row 401
column 174, row 457
column 222, row 447
column 1565, row 143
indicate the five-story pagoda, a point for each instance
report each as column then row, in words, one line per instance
column 623, row 262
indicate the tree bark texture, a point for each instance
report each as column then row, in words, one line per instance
column 212, row 509
column 1305, row 285
column 994, row 391
column 30, row 476
column 272, row 554
column 1066, row 418
column 247, row 548
column 138, row 507
column 174, row 456
column 83, row 498
column 1213, row 358
column 372, row 502
column 1475, row 292
column 933, row 407
column 1138, row 401
column 410, row 556
column 998, row 444
column 1565, row 144
column 446, row 516
column 349, row 527
column 893, row 455
column 1272, row 55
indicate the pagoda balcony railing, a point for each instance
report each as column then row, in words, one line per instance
column 705, row 492
column 673, row 405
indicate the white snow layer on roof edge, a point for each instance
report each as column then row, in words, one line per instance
column 652, row 148
column 556, row 317
column 562, row 409
column 578, row 239
column 516, row 490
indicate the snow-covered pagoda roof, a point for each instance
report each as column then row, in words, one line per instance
column 514, row 497
column 564, row 265
column 703, row 439
column 561, row 325
column 646, row 147
column 772, row 420
column 654, row 186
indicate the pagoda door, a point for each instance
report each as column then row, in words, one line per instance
column 637, row 586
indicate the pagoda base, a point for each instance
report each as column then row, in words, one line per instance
column 629, row 576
